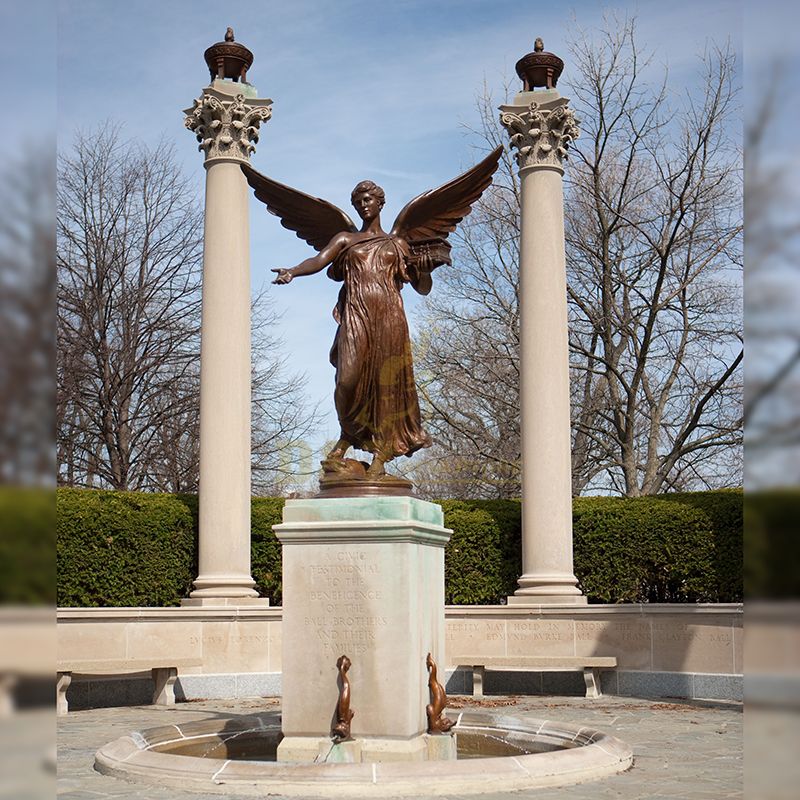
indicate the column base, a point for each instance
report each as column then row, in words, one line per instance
column 224, row 587
column 546, row 600
column 552, row 588
column 225, row 602
column 367, row 750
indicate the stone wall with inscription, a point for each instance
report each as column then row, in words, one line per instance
column 664, row 638
column 226, row 640
column 341, row 599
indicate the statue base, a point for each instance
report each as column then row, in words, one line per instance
column 334, row 485
column 347, row 477
column 362, row 577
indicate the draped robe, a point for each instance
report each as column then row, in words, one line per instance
column 375, row 397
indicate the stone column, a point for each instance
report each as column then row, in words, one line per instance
column 225, row 119
column 541, row 126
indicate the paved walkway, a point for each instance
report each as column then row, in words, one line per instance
column 684, row 750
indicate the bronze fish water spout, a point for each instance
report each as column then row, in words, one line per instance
column 437, row 722
column 344, row 715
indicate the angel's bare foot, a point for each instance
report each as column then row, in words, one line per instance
column 376, row 468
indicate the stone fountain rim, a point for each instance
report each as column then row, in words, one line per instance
column 133, row 758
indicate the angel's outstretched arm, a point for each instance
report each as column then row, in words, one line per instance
column 316, row 263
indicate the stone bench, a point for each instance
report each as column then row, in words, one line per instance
column 591, row 666
column 164, row 672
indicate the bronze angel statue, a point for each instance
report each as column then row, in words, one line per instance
column 375, row 395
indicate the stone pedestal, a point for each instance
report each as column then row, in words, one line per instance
column 541, row 126
column 225, row 120
column 362, row 577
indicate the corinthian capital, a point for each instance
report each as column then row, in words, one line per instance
column 540, row 135
column 226, row 126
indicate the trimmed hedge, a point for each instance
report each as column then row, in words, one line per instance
column 482, row 558
column 725, row 510
column 123, row 548
column 772, row 524
column 670, row 548
column 643, row 549
column 265, row 548
column 27, row 575
column 136, row 549
column 117, row 548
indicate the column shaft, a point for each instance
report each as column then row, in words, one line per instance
column 544, row 390
column 224, row 557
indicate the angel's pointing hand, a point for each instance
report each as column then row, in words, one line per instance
column 284, row 276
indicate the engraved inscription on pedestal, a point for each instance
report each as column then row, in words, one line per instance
column 342, row 591
column 362, row 576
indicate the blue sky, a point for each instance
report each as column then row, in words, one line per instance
column 360, row 90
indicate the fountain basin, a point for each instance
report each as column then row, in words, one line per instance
column 497, row 752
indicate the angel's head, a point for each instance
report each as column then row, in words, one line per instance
column 368, row 199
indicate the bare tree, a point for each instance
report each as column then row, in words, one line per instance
column 654, row 248
column 467, row 354
column 129, row 253
column 653, row 223
column 27, row 298
column 772, row 419
column 282, row 419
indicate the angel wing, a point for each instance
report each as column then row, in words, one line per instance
column 435, row 213
column 314, row 220
column 427, row 221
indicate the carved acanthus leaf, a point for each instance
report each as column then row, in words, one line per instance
column 226, row 129
column 541, row 137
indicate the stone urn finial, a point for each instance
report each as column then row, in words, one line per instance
column 228, row 59
column 539, row 69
